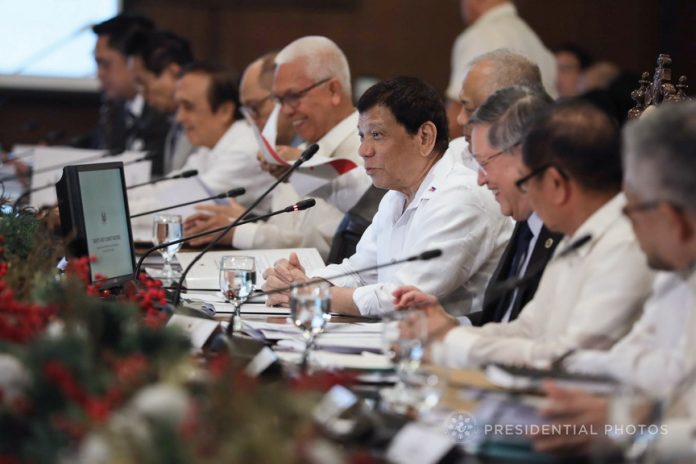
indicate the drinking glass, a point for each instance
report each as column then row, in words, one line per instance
column 237, row 282
column 404, row 334
column 309, row 309
column 166, row 228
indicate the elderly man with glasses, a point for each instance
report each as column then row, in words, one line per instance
column 497, row 128
column 594, row 288
column 311, row 83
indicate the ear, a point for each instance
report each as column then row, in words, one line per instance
column 427, row 133
column 172, row 69
column 226, row 111
column 336, row 91
column 561, row 187
column 683, row 225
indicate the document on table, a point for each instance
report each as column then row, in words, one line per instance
column 326, row 359
column 205, row 273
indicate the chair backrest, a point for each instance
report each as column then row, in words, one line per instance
column 353, row 225
column 659, row 90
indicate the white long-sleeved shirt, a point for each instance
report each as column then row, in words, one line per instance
column 232, row 163
column 589, row 298
column 500, row 27
column 680, row 440
column 314, row 227
column 450, row 212
column 653, row 355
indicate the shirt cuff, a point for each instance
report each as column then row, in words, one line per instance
column 374, row 300
column 455, row 348
column 244, row 236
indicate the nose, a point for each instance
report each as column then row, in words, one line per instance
column 463, row 117
column 481, row 177
column 179, row 114
column 286, row 109
column 366, row 150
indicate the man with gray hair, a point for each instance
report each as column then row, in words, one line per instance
column 483, row 76
column 659, row 355
column 498, row 128
column 312, row 86
column 494, row 24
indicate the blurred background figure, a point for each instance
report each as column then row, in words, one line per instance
column 571, row 62
column 126, row 122
column 493, row 24
column 156, row 59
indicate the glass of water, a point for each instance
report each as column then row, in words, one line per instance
column 310, row 307
column 237, row 282
column 404, row 334
column 166, row 228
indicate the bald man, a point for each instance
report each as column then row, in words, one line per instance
column 493, row 24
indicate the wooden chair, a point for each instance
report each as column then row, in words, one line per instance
column 659, row 90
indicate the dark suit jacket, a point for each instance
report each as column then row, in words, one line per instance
column 494, row 306
column 114, row 135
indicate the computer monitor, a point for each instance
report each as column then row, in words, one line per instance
column 95, row 220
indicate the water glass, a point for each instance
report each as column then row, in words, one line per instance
column 237, row 282
column 166, row 228
column 310, row 307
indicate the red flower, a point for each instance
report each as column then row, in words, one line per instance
column 97, row 409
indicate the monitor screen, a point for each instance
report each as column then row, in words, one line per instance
column 95, row 218
column 106, row 222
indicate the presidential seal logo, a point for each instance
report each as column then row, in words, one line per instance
column 461, row 426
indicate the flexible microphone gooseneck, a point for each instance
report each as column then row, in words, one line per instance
column 229, row 194
column 305, row 156
column 424, row 256
column 62, row 165
column 299, row 206
column 49, row 185
column 183, row 175
column 502, row 288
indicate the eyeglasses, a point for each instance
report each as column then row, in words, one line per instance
column 481, row 165
column 293, row 99
column 521, row 183
column 629, row 210
column 254, row 106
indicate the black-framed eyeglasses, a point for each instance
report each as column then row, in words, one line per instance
column 293, row 99
column 521, row 183
column 254, row 106
column 629, row 210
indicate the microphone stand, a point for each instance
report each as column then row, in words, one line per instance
column 289, row 209
column 44, row 187
column 229, row 194
column 424, row 256
column 502, row 288
column 62, row 165
column 306, row 155
column 183, row 175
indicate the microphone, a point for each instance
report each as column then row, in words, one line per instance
column 510, row 284
column 27, row 192
column 424, row 256
column 229, row 194
column 306, row 155
column 59, row 166
column 299, row 206
column 183, row 175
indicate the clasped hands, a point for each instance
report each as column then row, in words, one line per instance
column 212, row 217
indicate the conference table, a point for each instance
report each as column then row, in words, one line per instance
column 449, row 428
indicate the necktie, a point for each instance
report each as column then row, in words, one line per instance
column 522, row 239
